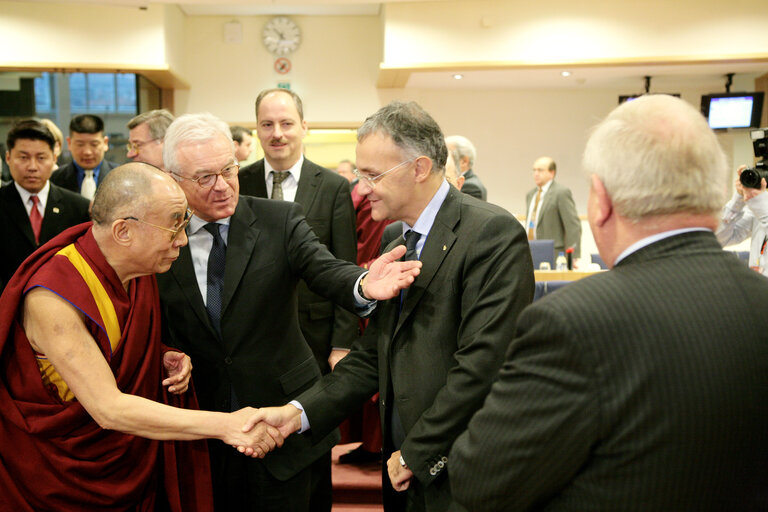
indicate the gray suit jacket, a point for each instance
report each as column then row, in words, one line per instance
column 643, row 388
column 473, row 186
column 441, row 352
column 558, row 219
column 327, row 204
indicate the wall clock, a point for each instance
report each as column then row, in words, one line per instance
column 281, row 35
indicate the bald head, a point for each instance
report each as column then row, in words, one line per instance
column 128, row 190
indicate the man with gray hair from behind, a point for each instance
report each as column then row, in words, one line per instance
column 465, row 154
column 642, row 388
column 146, row 136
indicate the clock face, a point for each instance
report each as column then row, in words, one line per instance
column 281, row 35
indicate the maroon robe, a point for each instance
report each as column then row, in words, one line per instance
column 53, row 455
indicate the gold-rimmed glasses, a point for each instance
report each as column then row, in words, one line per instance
column 174, row 231
column 208, row 180
column 371, row 180
column 136, row 146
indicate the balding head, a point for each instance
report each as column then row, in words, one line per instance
column 127, row 190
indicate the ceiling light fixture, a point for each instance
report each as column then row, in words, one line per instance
column 458, row 76
column 565, row 74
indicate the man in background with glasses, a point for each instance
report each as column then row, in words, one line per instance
column 230, row 302
column 146, row 135
column 431, row 353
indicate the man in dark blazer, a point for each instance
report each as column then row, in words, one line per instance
column 643, row 388
column 554, row 217
column 30, row 160
column 433, row 353
column 324, row 196
column 87, row 143
column 465, row 151
column 239, row 323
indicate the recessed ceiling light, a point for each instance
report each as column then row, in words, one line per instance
column 565, row 73
column 458, row 76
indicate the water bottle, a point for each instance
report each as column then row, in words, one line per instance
column 561, row 263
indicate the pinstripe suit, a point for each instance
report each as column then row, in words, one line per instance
column 644, row 388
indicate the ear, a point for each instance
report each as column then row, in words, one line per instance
column 8, row 157
column 121, row 232
column 304, row 128
column 69, row 143
column 106, row 142
column 423, row 168
column 603, row 206
column 460, row 182
column 464, row 163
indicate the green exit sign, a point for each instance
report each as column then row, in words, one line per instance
column 284, row 85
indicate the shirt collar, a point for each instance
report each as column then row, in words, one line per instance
column 42, row 195
column 546, row 186
column 645, row 242
column 424, row 223
column 196, row 224
column 295, row 169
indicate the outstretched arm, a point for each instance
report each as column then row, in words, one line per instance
column 57, row 330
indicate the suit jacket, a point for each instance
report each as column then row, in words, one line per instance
column 446, row 345
column 473, row 186
column 558, row 219
column 66, row 175
column 262, row 354
column 326, row 201
column 63, row 210
column 643, row 388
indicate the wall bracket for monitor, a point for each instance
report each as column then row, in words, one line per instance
column 728, row 82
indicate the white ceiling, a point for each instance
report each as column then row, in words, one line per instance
column 665, row 78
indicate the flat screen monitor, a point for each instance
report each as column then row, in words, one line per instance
column 733, row 110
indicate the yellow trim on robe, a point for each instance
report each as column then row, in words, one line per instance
column 106, row 310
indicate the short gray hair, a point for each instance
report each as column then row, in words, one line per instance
column 656, row 155
column 192, row 128
column 464, row 148
column 157, row 121
column 412, row 129
column 126, row 190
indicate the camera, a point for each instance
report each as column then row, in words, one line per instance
column 753, row 176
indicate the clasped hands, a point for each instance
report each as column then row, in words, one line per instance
column 262, row 430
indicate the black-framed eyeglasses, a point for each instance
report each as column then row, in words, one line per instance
column 208, row 180
column 174, row 231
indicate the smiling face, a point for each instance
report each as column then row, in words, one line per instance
column 31, row 163
column 280, row 130
column 197, row 159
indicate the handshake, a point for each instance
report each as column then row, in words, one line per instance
column 256, row 432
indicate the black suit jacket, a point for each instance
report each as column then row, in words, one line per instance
column 643, row 388
column 66, row 175
column 327, row 203
column 444, row 348
column 262, row 354
column 473, row 186
column 63, row 210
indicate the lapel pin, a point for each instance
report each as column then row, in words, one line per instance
column 55, row 209
column 445, row 248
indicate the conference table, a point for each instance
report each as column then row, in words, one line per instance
column 563, row 275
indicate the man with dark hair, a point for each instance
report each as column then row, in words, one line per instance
column 433, row 352
column 551, row 211
column 146, row 135
column 32, row 209
column 87, row 143
column 243, row 140
column 642, row 388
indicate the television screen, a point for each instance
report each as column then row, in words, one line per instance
column 733, row 110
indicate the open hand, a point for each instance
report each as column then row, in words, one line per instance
column 178, row 366
column 388, row 275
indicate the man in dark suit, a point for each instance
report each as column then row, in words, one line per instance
column 551, row 210
column 433, row 353
column 33, row 210
column 324, row 196
column 643, row 388
column 230, row 302
column 465, row 152
column 87, row 143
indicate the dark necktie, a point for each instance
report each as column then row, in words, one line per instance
column 215, row 275
column 35, row 218
column 396, row 425
column 277, row 183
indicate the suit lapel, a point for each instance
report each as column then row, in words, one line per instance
column 259, row 181
column 17, row 213
column 184, row 272
column 241, row 243
column 308, row 185
column 54, row 209
column 439, row 242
